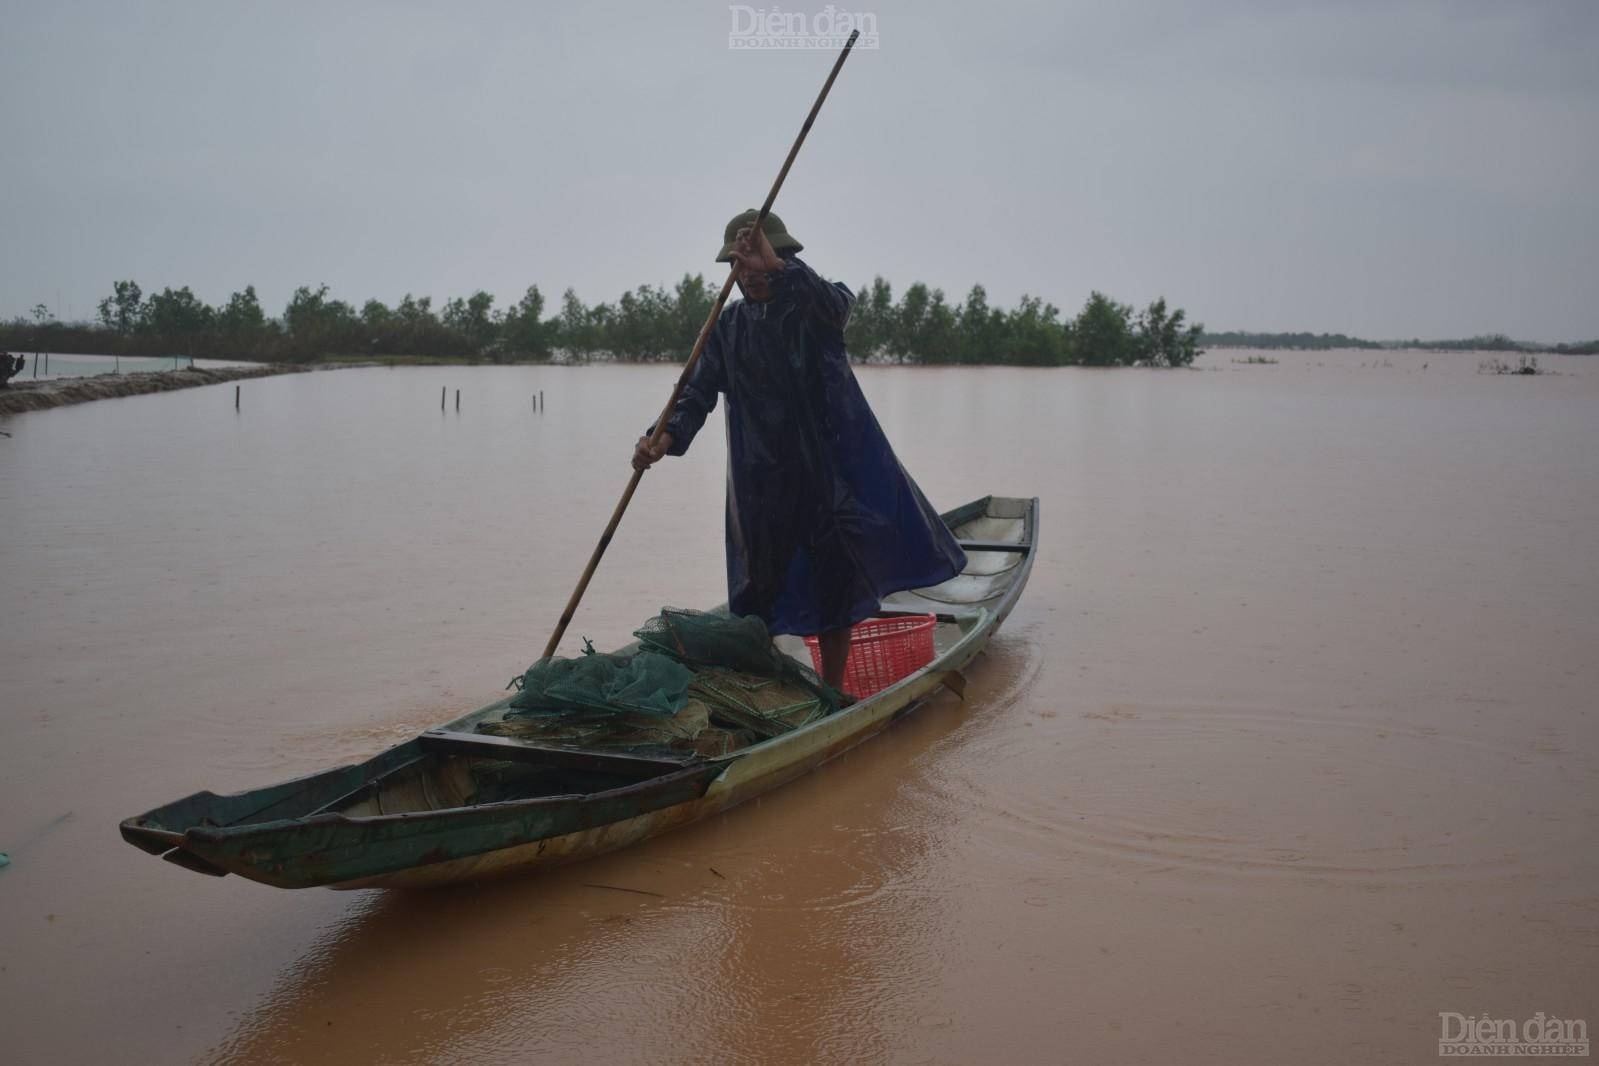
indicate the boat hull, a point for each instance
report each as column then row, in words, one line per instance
column 311, row 833
column 752, row 775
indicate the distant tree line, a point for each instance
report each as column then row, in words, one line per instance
column 1486, row 342
column 1239, row 339
column 647, row 324
column 923, row 328
column 1499, row 342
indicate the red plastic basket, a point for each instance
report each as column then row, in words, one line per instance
column 882, row 651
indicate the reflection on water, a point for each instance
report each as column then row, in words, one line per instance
column 1289, row 746
column 760, row 929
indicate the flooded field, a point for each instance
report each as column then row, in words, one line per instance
column 1291, row 745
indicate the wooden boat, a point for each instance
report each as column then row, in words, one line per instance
column 408, row 816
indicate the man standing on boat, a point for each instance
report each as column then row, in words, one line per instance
column 822, row 521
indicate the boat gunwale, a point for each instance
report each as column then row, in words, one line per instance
column 235, row 833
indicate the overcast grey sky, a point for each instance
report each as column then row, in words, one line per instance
column 1389, row 169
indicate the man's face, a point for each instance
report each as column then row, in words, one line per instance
column 752, row 283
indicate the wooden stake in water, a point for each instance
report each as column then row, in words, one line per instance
column 444, row 391
column 688, row 367
column 236, row 397
column 457, row 399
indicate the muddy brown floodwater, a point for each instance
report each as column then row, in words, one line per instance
column 1289, row 748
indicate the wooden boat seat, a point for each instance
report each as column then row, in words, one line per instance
column 993, row 546
column 484, row 746
column 370, row 787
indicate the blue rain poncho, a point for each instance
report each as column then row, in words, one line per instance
column 822, row 521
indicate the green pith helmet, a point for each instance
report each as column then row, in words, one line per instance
column 772, row 227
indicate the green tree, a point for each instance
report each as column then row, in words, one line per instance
column 1103, row 332
column 983, row 331
column 122, row 310
column 376, row 316
column 935, row 337
column 908, row 324
column 1162, row 340
column 691, row 306
column 602, row 327
column 471, row 319
column 416, row 329
column 416, row 312
column 871, row 322
column 577, row 329
column 1034, row 335
column 175, row 313
column 642, row 327
column 242, row 313
column 523, row 331
column 318, row 325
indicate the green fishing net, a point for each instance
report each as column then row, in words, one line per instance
column 698, row 683
column 645, row 683
column 715, row 638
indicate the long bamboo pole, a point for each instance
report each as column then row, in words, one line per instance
column 688, row 367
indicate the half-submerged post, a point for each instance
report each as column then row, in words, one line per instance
column 444, row 390
column 235, row 397
column 457, row 399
